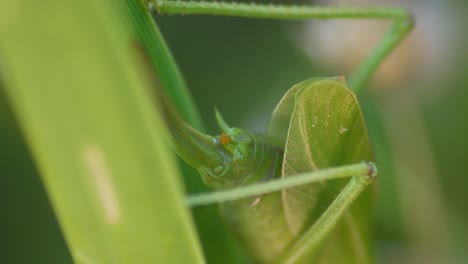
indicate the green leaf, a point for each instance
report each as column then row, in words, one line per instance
column 326, row 129
column 80, row 95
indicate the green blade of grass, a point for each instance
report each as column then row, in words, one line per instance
column 79, row 95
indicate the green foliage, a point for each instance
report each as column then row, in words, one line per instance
column 40, row 85
column 81, row 99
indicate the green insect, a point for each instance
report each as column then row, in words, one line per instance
column 297, row 194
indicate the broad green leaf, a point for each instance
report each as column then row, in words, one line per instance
column 326, row 129
column 79, row 92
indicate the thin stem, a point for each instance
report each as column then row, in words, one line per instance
column 403, row 23
column 390, row 41
column 360, row 169
column 309, row 242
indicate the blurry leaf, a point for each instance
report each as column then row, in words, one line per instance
column 326, row 129
column 389, row 227
column 30, row 232
column 80, row 97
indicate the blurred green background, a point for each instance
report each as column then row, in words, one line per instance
column 416, row 108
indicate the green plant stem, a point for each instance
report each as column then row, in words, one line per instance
column 359, row 169
column 403, row 23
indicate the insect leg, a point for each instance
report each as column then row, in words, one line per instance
column 310, row 242
column 347, row 171
column 403, row 23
